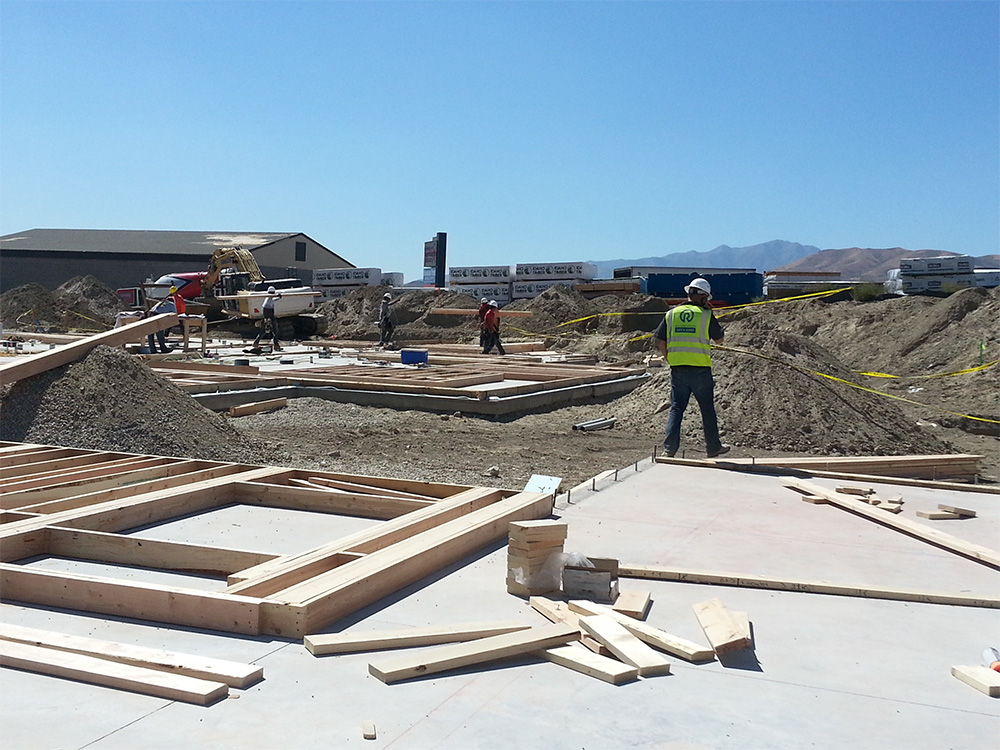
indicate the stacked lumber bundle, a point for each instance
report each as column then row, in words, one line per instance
column 533, row 565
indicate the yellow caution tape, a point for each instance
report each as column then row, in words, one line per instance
column 855, row 385
column 937, row 375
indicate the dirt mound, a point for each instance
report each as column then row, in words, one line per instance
column 110, row 401
column 81, row 304
column 355, row 316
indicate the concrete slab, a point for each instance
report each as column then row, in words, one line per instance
column 826, row 671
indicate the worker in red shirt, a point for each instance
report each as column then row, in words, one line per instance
column 179, row 303
column 483, row 307
column 491, row 325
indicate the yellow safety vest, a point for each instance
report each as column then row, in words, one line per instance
column 687, row 336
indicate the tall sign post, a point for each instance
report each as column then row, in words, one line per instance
column 435, row 258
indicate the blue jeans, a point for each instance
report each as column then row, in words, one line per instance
column 685, row 381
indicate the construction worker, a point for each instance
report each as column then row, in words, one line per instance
column 268, row 323
column 172, row 303
column 491, row 326
column 683, row 339
column 385, row 326
column 483, row 307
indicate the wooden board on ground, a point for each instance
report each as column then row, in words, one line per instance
column 587, row 662
column 625, row 646
column 983, row 679
column 724, row 631
column 346, row 643
column 966, row 512
column 257, row 407
column 937, row 515
column 455, row 656
column 633, row 602
column 112, row 674
column 672, row 644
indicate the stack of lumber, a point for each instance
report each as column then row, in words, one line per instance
column 532, row 563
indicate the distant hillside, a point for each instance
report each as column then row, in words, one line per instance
column 761, row 257
column 870, row 263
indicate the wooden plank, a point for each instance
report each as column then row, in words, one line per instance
column 633, row 603
column 555, row 610
column 586, row 662
column 983, row 679
column 966, row 512
column 672, row 644
column 63, row 355
column 742, row 580
column 917, row 530
column 96, row 671
column 721, row 628
column 200, row 609
column 81, row 458
column 348, row 643
column 257, row 407
column 328, row 501
column 625, row 646
column 92, row 476
column 234, row 674
column 367, row 489
column 456, row 656
column 937, row 515
column 119, row 549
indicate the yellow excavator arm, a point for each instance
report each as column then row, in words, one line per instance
column 230, row 257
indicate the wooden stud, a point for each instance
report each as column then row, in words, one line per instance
column 937, row 515
column 347, row 643
column 724, row 631
column 964, row 512
column 586, row 662
column 672, row 644
column 256, row 407
column 625, row 646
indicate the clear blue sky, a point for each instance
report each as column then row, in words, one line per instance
column 528, row 131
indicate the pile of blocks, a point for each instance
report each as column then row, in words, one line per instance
column 531, row 545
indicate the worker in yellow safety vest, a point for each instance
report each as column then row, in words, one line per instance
column 683, row 338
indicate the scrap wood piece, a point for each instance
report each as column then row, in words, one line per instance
column 937, row 515
column 62, row 355
column 633, row 602
column 983, row 679
column 368, row 729
column 860, row 491
column 655, row 637
column 442, row 658
column 625, row 646
column 587, row 662
column 346, row 643
column 724, row 631
column 96, row 671
column 559, row 611
column 741, row 580
column 256, row 407
column 965, row 512
column 920, row 531
column 235, row 674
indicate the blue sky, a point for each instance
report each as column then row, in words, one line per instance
column 528, row 131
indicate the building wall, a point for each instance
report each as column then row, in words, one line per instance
column 19, row 267
column 281, row 255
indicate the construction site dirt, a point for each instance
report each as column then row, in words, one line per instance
column 792, row 378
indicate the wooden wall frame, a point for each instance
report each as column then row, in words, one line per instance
column 85, row 509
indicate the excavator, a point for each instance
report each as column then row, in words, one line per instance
column 234, row 287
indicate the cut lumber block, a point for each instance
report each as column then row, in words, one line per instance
column 633, row 603
column 937, row 515
column 455, row 656
column 983, row 679
column 815, row 587
column 625, row 646
column 368, row 729
column 346, row 643
column 743, row 619
column 655, row 637
column 257, row 407
column 586, row 662
column 724, row 631
column 913, row 528
column 112, row 674
column 524, row 533
column 965, row 512
column 860, row 491
column 37, row 363
column 235, row 674
column 814, row 499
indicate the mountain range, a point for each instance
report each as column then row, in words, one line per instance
column 870, row 264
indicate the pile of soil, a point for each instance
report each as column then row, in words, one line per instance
column 110, row 401
column 82, row 304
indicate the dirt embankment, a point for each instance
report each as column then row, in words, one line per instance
column 82, row 304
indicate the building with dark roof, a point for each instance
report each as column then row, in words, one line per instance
column 126, row 258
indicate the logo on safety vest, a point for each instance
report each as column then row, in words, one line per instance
column 687, row 316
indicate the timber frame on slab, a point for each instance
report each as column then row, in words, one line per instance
column 80, row 504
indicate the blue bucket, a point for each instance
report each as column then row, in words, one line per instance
column 412, row 356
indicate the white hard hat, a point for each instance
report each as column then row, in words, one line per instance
column 387, row 296
column 699, row 285
column 270, row 290
column 493, row 303
column 482, row 301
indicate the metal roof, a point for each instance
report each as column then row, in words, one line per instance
column 137, row 241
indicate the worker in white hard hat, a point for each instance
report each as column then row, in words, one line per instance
column 385, row 325
column 268, row 321
column 683, row 338
column 491, row 327
column 484, row 305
